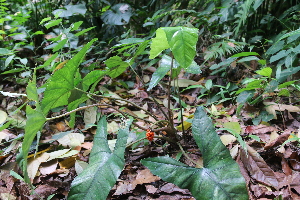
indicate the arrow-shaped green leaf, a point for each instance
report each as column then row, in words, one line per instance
column 59, row 87
column 104, row 168
column 220, row 177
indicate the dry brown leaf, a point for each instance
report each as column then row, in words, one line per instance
column 170, row 188
column 145, row 176
column 258, row 168
column 271, row 108
column 151, row 189
column 34, row 164
column 278, row 141
column 90, row 114
column 48, row 167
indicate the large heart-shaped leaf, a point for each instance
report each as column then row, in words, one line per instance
column 183, row 45
column 220, row 177
column 181, row 40
column 104, row 168
column 118, row 15
column 59, row 87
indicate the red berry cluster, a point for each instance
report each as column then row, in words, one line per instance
column 150, row 135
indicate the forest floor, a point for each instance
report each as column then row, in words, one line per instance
column 271, row 168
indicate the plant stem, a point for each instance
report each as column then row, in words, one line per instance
column 142, row 81
column 120, row 99
column 187, row 156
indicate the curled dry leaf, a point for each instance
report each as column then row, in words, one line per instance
column 278, row 141
column 258, row 168
column 272, row 107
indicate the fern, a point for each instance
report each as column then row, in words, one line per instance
column 244, row 12
column 223, row 48
column 156, row 16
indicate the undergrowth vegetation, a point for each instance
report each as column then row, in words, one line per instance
column 160, row 74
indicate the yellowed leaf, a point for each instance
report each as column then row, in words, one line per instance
column 183, row 82
column 34, row 164
column 271, row 108
column 3, row 116
column 72, row 140
column 227, row 139
column 186, row 125
column 90, row 115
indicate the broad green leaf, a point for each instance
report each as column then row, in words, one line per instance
column 296, row 32
column 283, row 85
column 118, row 15
column 60, row 45
column 45, row 20
column 4, row 51
column 59, row 87
column 244, row 96
column 194, row 68
column 282, row 76
column 245, row 54
column 91, row 77
column 104, row 167
column 76, row 25
column 84, row 31
column 278, row 56
column 159, row 43
column 220, row 177
column 48, row 62
column 272, row 85
column 116, row 66
column 248, row 58
column 70, row 10
column 53, row 23
column 235, row 126
column 132, row 40
column 255, row 84
column 8, row 60
column 275, row 48
column 162, row 70
column 267, row 71
column 183, row 45
column 35, row 121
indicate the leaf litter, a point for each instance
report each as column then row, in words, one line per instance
column 271, row 166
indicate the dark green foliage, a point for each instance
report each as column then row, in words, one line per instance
column 220, row 177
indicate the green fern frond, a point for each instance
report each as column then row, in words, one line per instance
column 244, row 12
column 221, row 49
column 172, row 12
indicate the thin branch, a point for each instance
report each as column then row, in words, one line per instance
column 120, row 99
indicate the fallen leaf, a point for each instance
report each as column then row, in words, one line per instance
column 258, row 168
column 145, row 176
column 227, row 139
column 61, row 126
column 3, row 116
column 34, row 164
column 183, row 82
column 72, row 140
column 170, row 188
column 90, row 115
column 151, row 189
column 48, row 167
column 278, row 141
column 271, row 108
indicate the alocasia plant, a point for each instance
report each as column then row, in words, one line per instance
column 220, row 177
